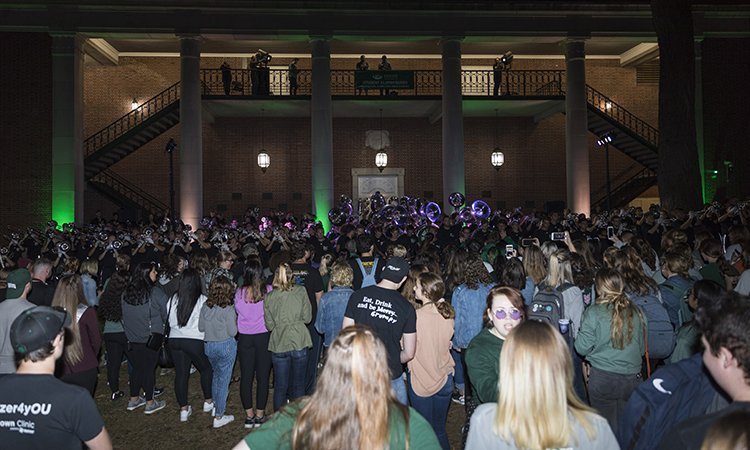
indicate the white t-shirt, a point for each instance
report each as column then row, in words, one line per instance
column 190, row 330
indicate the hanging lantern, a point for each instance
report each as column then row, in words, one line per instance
column 381, row 160
column 497, row 158
column 263, row 160
column 134, row 104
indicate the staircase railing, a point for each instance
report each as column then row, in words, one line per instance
column 132, row 119
column 513, row 82
column 130, row 191
column 608, row 107
column 645, row 173
column 627, row 174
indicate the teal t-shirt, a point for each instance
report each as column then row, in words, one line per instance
column 277, row 432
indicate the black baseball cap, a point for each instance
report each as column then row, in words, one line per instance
column 396, row 268
column 37, row 327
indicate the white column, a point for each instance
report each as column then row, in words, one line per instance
column 322, row 129
column 67, row 128
column 453, row 121
column 191, row 132
column 576, row 128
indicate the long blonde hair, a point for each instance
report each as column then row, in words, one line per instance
column 560, row 270
column 536, row 395
column 355, row 378
column 68, row 295
column 282, row 279
column 610, row 290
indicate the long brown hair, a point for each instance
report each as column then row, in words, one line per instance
column 68, row 295
column 533, row 264
column 357, row 380
column 611, row 291
column 433, row 288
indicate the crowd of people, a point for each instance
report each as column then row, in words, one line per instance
column 552, row 330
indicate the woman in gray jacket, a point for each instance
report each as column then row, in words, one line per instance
column 143, row 312
column 218, row 320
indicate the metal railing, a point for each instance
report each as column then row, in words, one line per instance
column 130, row 191
column 609, row 108
column 645, row 173
column 254, row 82
column 525, row 83
column 132, row 119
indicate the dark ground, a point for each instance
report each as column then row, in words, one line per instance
column 163, row 429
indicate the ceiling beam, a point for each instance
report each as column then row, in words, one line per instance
column 641, row 53
column 101, row 51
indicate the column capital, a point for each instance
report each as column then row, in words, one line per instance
column 575, row 48
column 196, row 36
column 319, row 37
column 66, row 43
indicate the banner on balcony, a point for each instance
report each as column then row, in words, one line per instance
column 384, row 79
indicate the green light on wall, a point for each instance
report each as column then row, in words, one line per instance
column 63, row 206
column 322, row 204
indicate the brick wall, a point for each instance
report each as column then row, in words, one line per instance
column 535, row 152
column 25, row 130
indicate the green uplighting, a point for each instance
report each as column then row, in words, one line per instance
column 63, row 206
column 322, row 204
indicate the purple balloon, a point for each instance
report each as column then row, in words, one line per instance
column 480, row 209
column 457, row 199
column 432, row 211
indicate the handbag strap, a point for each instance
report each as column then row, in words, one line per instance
column 644, row 325
column 169, row 312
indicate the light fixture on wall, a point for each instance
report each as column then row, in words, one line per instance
column 134, row 104
column 381, row 159
column 264, row 160
column 497, row 158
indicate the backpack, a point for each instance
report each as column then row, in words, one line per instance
column 661, row 333
column 548, row 305
column 368, row 278
column 674, row 393
column 683, row 314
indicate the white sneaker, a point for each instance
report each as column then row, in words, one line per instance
column 185, row 413
column 223, row 420
column 208, row 407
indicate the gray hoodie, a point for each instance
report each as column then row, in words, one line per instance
column 218, row 324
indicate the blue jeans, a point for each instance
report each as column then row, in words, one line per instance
column 399, row 388
column 435, row 409
column 288, row 376
column 221, row 355
column 459, row 377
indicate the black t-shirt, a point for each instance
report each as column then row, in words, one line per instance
column 41, row 293
column 689, row 435
column 389, row 314
column 321, row 248
column 367, row 262
column 42, row 412
column 305, row 275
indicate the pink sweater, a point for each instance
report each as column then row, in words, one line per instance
column 250, row 318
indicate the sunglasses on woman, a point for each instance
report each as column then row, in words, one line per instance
column 502, row 314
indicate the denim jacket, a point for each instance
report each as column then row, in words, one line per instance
column 331, row 312
column 470, row 305
column 89, row 289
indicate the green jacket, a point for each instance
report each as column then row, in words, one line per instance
column 593, row 342
column 483, row 364
column 286, row 313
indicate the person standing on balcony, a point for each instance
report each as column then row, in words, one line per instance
column 226, row 77
column 384, row 65
column 254, row 79
column 497, row 75
column 293, row 72
column 362, row 65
